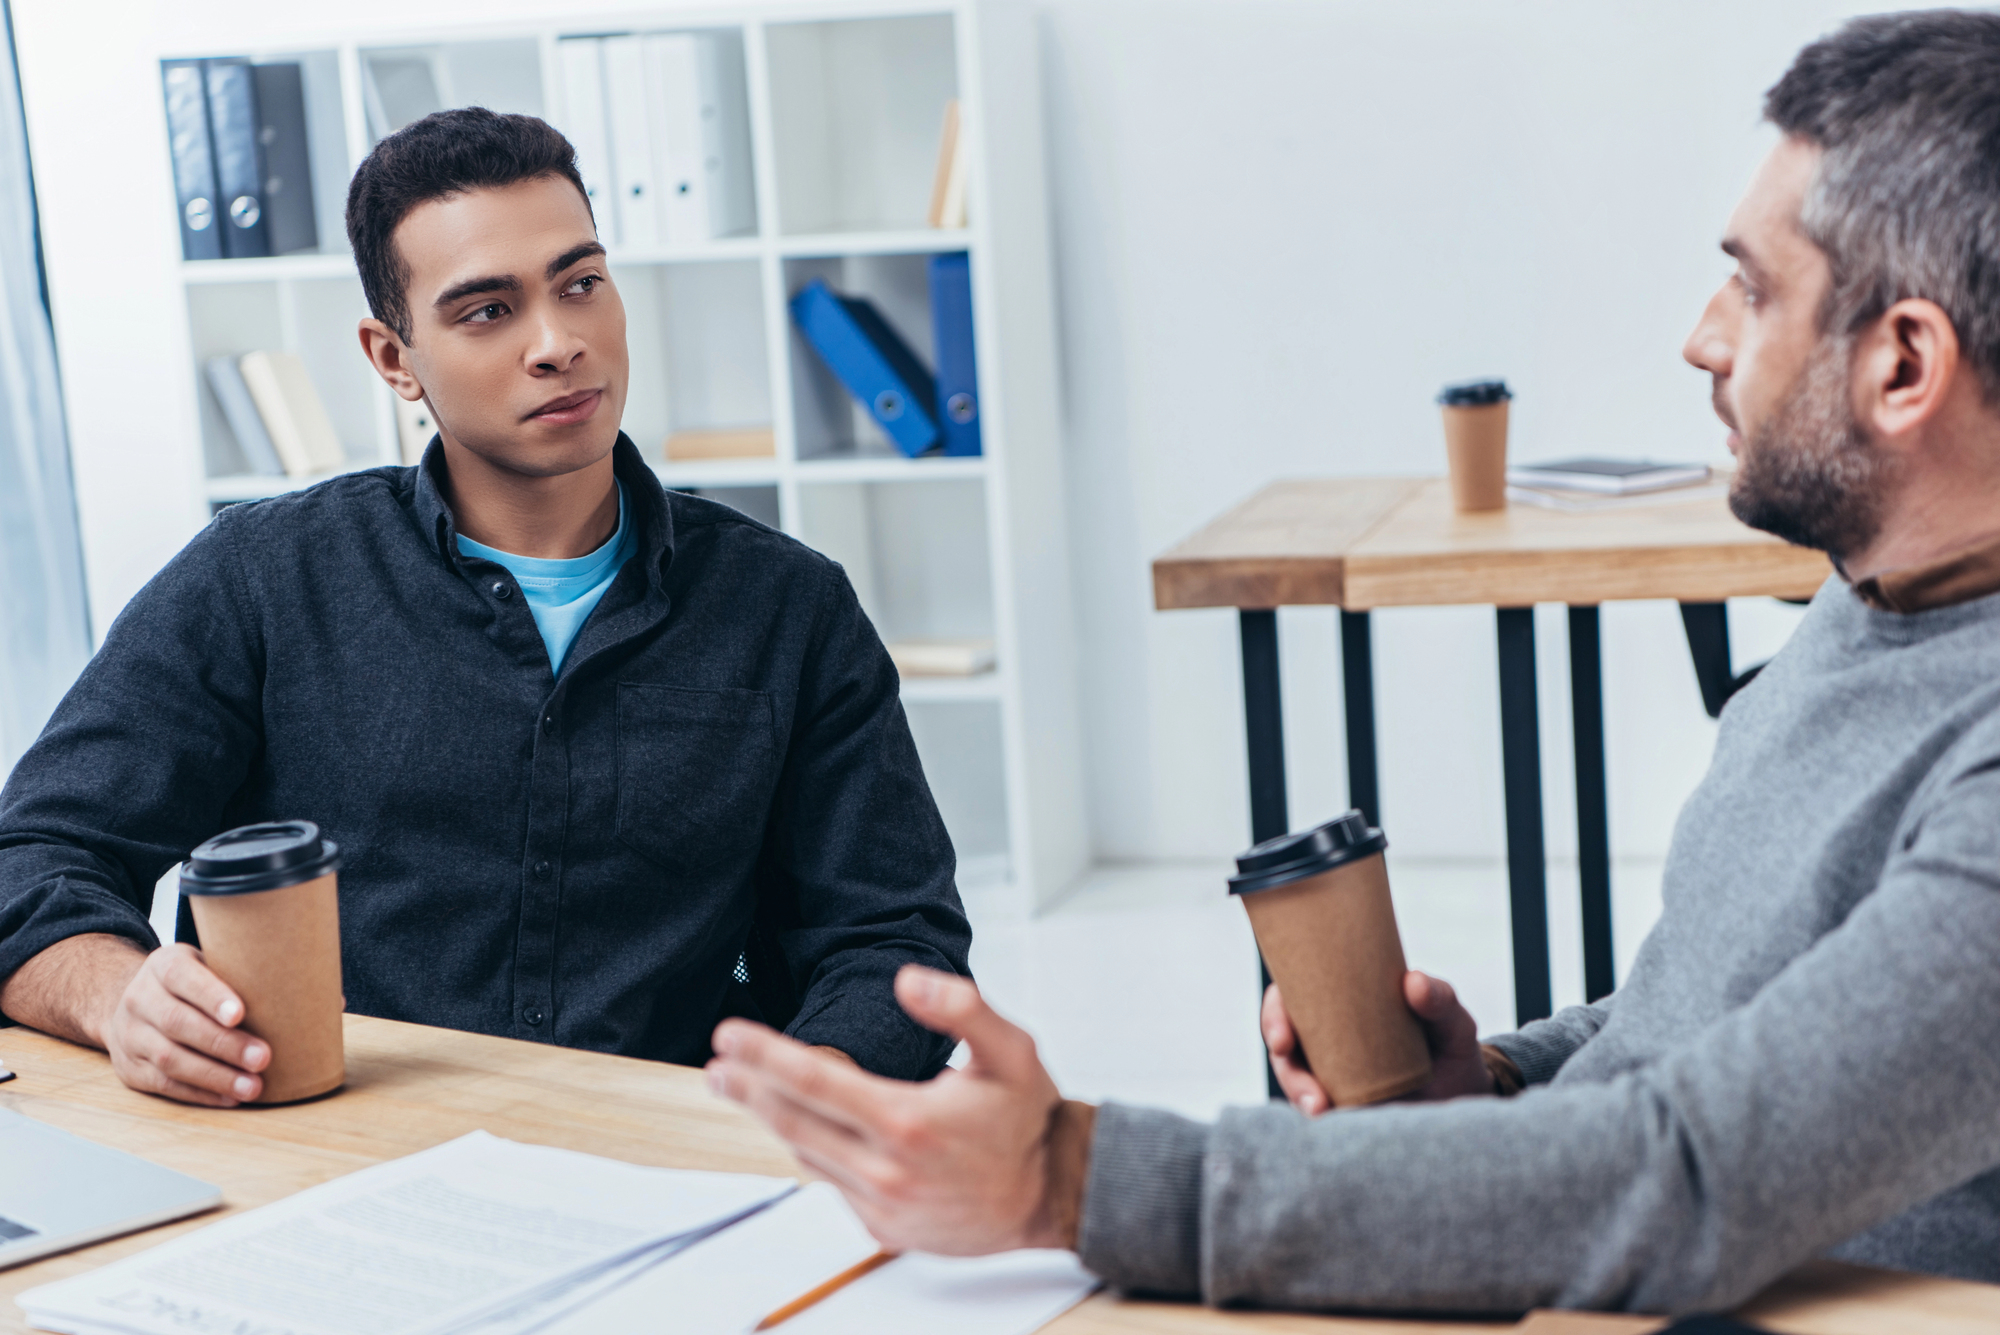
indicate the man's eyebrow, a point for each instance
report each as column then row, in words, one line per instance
column 581, row 251
column 472, row 287
column 1735, row 249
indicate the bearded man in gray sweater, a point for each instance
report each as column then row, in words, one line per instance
column 1802, row 1063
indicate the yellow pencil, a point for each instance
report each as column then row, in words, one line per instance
column 832, row 1286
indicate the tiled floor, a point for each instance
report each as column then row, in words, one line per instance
column 1142, row 984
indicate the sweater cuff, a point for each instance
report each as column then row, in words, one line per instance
column 1141, row 1226
column 1537, row 1061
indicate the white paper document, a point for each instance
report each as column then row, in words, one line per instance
column 729, row 1282
column 425, row 1245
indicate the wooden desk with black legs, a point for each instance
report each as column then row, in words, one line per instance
column 410, row 1087
column 1365, row 543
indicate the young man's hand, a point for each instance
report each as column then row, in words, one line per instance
column 957, row 1165
column 1457, row 1066
column 168, row 1022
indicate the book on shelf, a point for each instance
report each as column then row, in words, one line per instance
column 948, row 183
column 942, row 656
column 747, row 442
column 414, row 428
column 873, row 362
column 957, row 368
column 291, row 410
column 662, row 121
column 242, row 166
column 1610, row 477
column 225, row 379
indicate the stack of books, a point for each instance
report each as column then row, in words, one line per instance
column 276, row 415
column 1597, row 484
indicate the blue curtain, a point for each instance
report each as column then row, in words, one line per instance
column 44, row 623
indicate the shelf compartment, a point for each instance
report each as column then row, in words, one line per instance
column 857, row 107
column 313, row 318
column 916, row 552
column 760, row 503
column 699, row 355
column 829, row 425
column 401, row 84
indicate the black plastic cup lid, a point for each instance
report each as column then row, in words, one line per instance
column 259, row 857
column 1475, row 394
column 1293, row 857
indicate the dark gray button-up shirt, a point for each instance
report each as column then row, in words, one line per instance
column 722, row 771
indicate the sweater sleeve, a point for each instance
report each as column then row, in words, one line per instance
column 1540, row 1047
column 138, row 762
column 1861, row 1081
column 863, row 861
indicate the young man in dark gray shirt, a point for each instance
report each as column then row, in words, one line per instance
column 606, row 763
column 1802, row 1061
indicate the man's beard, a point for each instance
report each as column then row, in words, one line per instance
column 1810, row 474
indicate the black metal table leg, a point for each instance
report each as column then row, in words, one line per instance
column 1521, row 767
column 1264, row 727
column 1357, row 678
column 1593, row 825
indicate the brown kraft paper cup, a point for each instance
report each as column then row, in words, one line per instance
column 1475, row 444
column 277, row 947
column 1329, row 938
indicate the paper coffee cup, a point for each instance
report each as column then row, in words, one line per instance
column 266, row 905
column 1475, row 443
column 1319, row 905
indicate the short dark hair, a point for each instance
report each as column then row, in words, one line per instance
column 1906, row 200
column 445, row 153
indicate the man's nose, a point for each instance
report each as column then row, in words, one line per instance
column 555, row 347
column 1709, row 346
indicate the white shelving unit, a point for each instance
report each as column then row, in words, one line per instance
column 845, row 108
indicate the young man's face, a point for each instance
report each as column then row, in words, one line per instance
column 1806, row 470
column 517, row 333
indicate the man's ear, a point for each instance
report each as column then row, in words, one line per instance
column 1905, row 368
column 390, row 357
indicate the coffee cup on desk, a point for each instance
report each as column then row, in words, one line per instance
column 266, row 905
column 1475, row 443
column 1319, row 905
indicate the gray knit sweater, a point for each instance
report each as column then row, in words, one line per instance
column 1805, row 1060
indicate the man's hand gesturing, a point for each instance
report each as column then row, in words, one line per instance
column 957, row 1165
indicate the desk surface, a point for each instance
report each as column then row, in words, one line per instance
column 410, row 1087
column 1363, row 543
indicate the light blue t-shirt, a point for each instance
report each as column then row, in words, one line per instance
column 560, row 594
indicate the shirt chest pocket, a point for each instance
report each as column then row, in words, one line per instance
column 696, row 769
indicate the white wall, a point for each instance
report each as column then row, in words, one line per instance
column 1280, row 227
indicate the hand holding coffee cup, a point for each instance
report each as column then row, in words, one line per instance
column 1475, row 443
column 1319, row 906
column 266, row 905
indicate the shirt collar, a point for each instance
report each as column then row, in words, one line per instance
column 643, row 492
column 1971, row 572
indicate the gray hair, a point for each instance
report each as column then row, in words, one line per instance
column 1906, row 200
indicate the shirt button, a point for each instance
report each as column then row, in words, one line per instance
column 549, row 724
column 502, row 590
column 533, row 1015
column 542, row 870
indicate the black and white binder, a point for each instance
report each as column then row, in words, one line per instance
column 232, row 119
column 194, row 161
column 290, row 223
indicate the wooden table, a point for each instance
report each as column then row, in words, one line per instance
column 1363, row 543
column 410, row 1087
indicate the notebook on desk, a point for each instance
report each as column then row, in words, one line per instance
column 58, row 1191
